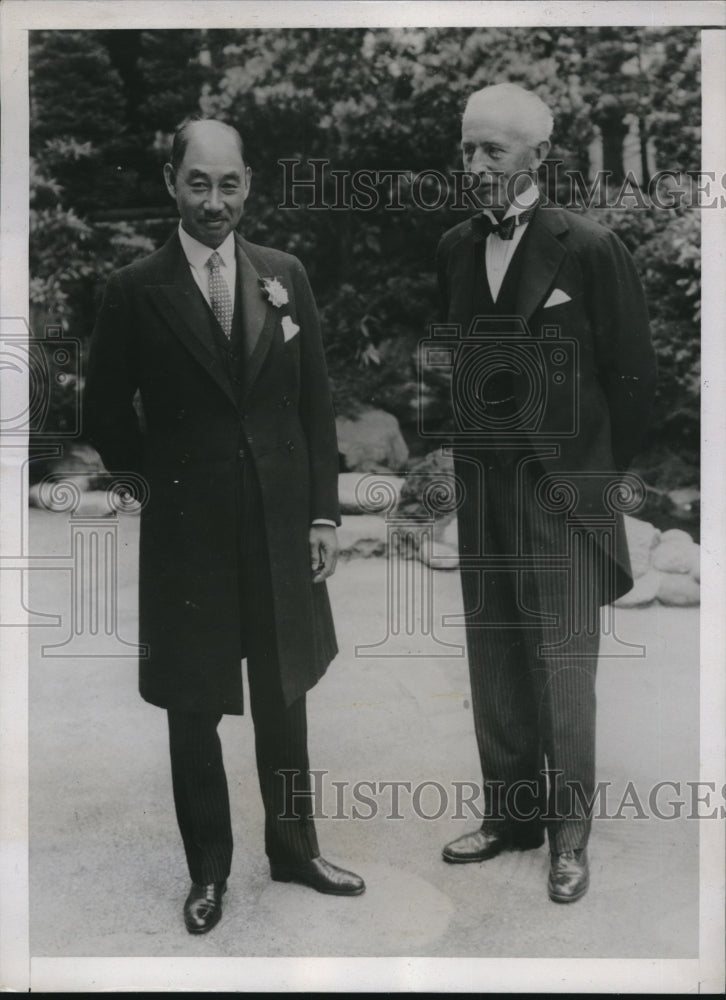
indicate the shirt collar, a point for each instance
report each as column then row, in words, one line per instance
column 198, row 253
column 525, row 200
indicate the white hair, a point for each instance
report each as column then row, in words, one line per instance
column 523, row 107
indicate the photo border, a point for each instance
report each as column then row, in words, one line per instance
column 19, row 970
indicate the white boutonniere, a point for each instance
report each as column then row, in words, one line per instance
column 275, row 292
column 289, row 328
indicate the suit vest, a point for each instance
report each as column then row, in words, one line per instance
column 505, row 303
column 231, row 352
column 496, row 390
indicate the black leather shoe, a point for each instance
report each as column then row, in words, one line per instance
column 488, row 842
column 569, row 876
column 203, row 906
column 321, row 875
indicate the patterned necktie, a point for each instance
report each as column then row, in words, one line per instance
column 219, row 297
column 482, row 225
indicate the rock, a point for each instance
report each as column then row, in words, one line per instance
column 79, row 463
column 433, row 477
column 447, row 533
column 436, row 547
column 439, row 556
column 372, row 442
column 94, row 503
column 67, row 499
column 679, row 590
column 362, row 535
column 676, row 535
column 642, row 538
column 675, row 556
column 644, row 591
column 373, row 494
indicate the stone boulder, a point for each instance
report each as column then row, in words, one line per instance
column 79, row 463
column 678, row 558
column 642, row 539
column 678, row 536
column 444, row 553
column 439, row 555
column 371, row 442
column 428, row 494
column 359, row 492
column 644, row 591
column 679, row 590
column 363, row 535
column 665, row 566
column 431, row 477
column 447, row 533
column 677, row 553
column 91, row 503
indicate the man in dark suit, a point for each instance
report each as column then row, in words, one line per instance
column 552, row 387
column 237, row 444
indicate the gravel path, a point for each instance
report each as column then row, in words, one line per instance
column 107, row 871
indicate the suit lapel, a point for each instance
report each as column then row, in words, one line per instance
column 259, row 317
column 543, row 253
column 180, row 302
column 254, row 311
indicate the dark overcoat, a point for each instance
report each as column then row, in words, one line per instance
column 598, row 392
column 197, row 427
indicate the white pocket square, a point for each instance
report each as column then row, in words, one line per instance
column 289, row 328
column 556, row 298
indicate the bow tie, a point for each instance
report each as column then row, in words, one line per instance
column 483, row 225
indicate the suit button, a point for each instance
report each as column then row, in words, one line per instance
column 290, row 446
column 241, row 453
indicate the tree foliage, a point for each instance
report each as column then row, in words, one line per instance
column 105, row 103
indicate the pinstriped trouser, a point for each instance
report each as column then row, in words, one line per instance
column 198, row 777
column 534, row 710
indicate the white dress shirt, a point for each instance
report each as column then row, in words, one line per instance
column 197, row 255
column 499, row 252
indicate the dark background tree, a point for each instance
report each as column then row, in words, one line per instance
column 104, row 103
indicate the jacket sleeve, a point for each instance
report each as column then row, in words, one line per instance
column 316, row 405
column 624, row 353
column 110, row 421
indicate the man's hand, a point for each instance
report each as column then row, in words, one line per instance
column 323, row 551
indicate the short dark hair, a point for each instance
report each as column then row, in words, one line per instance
column 181, row 137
